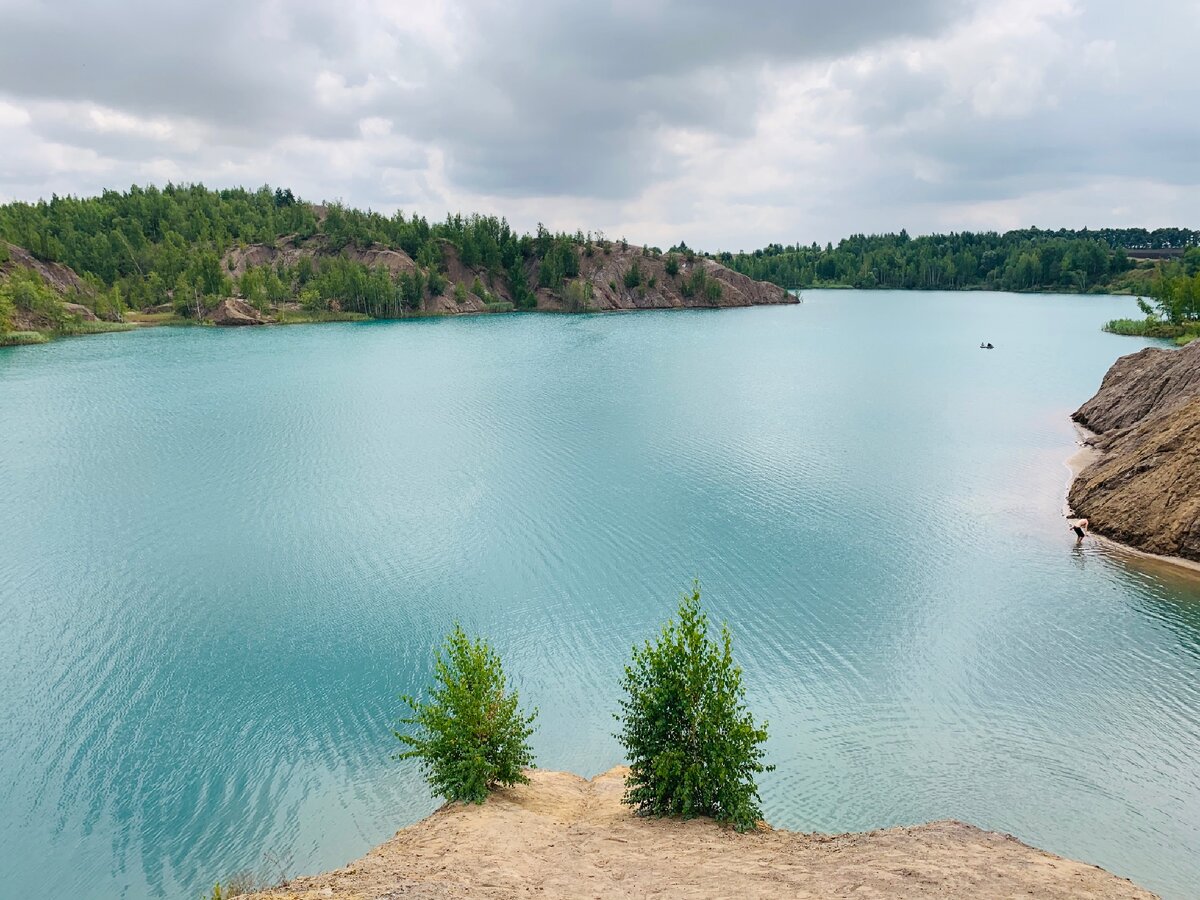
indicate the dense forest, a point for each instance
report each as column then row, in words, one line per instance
column 177, row 251
column 1025, row 260
column 1174, row 307
column 147, row 247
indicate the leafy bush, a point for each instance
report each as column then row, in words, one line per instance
column 26, row 290
column 578, row 295
column 436, row 283
column 1151, row 327
column 470, row 737
column 498, row 306
column 633, row 276
column 6, row 308
column 672, row 265
column 693, row 746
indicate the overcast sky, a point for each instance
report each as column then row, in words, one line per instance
column 729, row 125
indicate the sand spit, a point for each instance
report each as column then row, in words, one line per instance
column 565, row 836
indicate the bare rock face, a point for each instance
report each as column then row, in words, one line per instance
column 1144, row 487
column 79, row 310
column 232, row 311
column 63, row 279
column 602, row 284
column 1141, row 385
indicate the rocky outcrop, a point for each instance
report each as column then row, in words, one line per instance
column 232, row 311
column 603, row 283
column 79, row 311
column 1143, row 487
column 62, row 278
column 564, row 836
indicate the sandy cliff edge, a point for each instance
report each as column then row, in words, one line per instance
column 1141, row 486
column 565, row 836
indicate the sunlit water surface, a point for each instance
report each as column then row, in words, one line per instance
column 223, row 554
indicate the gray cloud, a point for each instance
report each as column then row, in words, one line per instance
column 735, row 124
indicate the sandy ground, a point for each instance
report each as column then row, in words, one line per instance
column 564, row 836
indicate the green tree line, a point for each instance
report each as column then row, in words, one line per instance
column 1024, row 260
column 150, row 246
column 155, row 245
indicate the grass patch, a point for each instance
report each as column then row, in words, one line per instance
column 499, row 306
column 1154, row 328
column 159, row 318
column 87, row 327
column 308, row 317
column 22, row 338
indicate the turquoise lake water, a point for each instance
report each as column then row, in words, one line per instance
column 223, row 554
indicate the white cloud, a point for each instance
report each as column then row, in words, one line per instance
column 727, row 126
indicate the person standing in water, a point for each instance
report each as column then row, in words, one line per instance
column 1080, row 528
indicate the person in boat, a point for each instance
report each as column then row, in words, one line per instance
column 1080, row 528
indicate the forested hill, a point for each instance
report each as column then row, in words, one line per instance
column 243, row 257
column 1024, row 260
column 187, row 251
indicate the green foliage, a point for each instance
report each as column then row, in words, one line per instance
column 633, row 276
column 1024, row 260
column 578, row 295
column 188, row 230
column 1176, row 293
column 693, row 747
column 561, row 261
column 712, row 290
column 77, row 327
column 7, row 309
column 144, row 240
column 498, row 306
column 25, row 290
column 21, row 338
column 470, row 736
column 436, row 283
column 460, row 293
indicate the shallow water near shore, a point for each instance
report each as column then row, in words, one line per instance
column 223, row 554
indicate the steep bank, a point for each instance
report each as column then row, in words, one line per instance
column 611, row 276
column 564, row 836
column 1143, row 486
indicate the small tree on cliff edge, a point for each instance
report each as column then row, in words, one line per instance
column 470, row 735
column 693, row 746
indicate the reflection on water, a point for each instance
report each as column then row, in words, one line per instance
column 226, row 553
